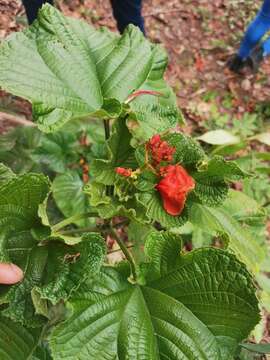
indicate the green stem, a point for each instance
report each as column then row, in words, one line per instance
column 106, row 124
column 40, row 338
column 94, row 228
column 125, row 251
column 72, row 219
column 114, row 251
column 81, row 230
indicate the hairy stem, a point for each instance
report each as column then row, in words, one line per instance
column 72, row 219
column 126, row 252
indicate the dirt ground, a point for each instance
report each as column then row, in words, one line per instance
column 199, row 36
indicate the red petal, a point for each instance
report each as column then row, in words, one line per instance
column 174, row 206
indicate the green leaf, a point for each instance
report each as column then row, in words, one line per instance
column 150, row 120
column 219, row 137
column 212, row 180
column 154, row 210
column 19, row 156
column 97, row 194
column 8, row 140
column 264, row 284
column 67, row 190
column 22, row 250
column 188, row 152
column 257, row 348
column 200, row 308
column 77, row 71
column 54, row 271
column 242, row 207
column 109, row 206
column 166, row 103
column 263, row 138
column 120, row 153
column 5, row 174
column 57, row 151
column 77, row 263
column 17, row 342
column 41, row 353
column 19, row 201
column 217, row 220
column 161, row 248
column 137, row 234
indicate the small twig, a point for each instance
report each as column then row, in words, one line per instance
column 16, row 120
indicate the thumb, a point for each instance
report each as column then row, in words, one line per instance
column 10, row 274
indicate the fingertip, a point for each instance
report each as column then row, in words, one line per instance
column 18, row 273
column 10, row 274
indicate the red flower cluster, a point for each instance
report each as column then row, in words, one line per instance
column 123, row 171
column 174, row 187
column 160, row 150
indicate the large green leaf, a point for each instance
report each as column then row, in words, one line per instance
column 120, row 153
column 68, row 194
column 54, row 270
column 75, row 69
column 17, row 342
column 199, row 306
column 77, row 263
column 19, row 201
column 219, row 221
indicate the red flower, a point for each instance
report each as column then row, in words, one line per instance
column 123, row 171
column 160, row 150
column 174, row 187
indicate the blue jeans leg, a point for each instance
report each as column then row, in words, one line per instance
column 125, row 12
column 266, row 47
column 32, row 7
column 128, row 12
column 256, row 30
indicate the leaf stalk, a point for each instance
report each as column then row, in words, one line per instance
column 72, row 219
column 126, row 252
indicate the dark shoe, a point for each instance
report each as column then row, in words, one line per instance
column 255, row 58
column 236, row 64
